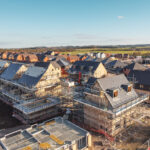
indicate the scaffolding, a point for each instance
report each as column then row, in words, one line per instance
column 81, row 118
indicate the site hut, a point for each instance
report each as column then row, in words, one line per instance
column 110, row 105
column 87, row 69
column 35, row 110
column 55, row 134
column 9, row 92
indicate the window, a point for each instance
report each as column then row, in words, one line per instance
column 115, row 93
column 141, row 86
column 101, row 94
column 117, row 126
column 70, row 148
column 129, row 88
column 82, row 143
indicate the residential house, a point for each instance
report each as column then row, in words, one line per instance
column 5, row 55
column 82, row 57
column 13, row 71
column 89, row 58
column 133, row 66
column 108, row 106
column 11, row 56
column 72, row 58
column 31, row 58
column 140, row 79
column 115, row 66
column 101, row 55
column 40, row 56
column 83, row 70
column 64, row 64
column 48, row 58
column 3, row 65
column 119, row 56
column 126, row 56
column 50, row 53
column 106, row 60
column 25, row 87
column 20, row 57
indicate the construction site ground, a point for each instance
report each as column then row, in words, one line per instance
column 6, row 119
column 134, row 137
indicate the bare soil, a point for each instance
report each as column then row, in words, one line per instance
column 6, row 119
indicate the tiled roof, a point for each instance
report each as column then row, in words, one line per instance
column 42, row 64
column 91, row 81
column 63, row 62
column 85, row 66
column 31, row 77
column 140, row 77
column 11, row 71
column 116, row 82
column 116, row 64
column 106, row 60
column 55, row 64
column 135, row 66
column 2, row 63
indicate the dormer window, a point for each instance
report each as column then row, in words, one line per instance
column 115, row 93
column 82, row 67
column 101, row 94
column 90, row 68
column 127, row 87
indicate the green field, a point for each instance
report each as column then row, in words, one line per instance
column 131, row 50
column 111, row 51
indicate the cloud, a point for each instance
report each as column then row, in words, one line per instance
column 120, row 17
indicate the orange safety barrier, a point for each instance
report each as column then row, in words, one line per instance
column 100, row 131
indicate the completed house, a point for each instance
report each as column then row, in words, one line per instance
column 86, row 69
column 133, row 66
column 115, row 66
column 140, row 79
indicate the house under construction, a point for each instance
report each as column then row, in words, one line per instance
column 34, row 111
column 56, row 134
column 26, row 88
column 108, row 105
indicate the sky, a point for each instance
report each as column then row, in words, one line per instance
column 30, row 23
